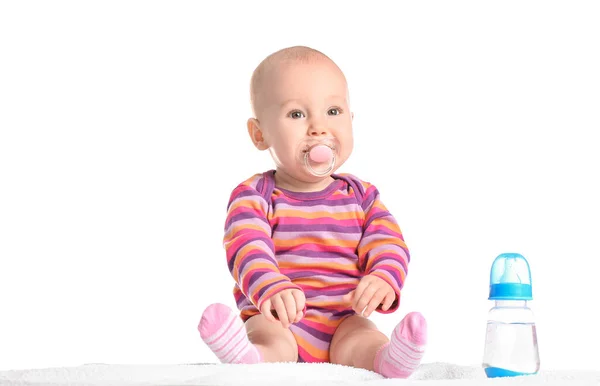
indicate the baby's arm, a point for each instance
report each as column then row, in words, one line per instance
column 382, row 251
column 249, row 247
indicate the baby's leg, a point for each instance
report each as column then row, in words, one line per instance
column 275, row 343
column 358, row 343
column 258, row 341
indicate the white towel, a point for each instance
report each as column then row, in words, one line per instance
column 284, row 374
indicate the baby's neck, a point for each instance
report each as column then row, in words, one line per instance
column 285, row 181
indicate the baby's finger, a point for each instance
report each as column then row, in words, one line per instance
column 290, row 306
column 388, row 300
column 300, row 300
column 365, row 298
column 374, row 302
column 348, row 297
column 266, row 311
column 281, row 311
column 358, row 294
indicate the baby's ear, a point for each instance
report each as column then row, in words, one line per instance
column 256, row 134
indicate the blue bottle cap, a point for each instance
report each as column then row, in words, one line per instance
column 510, row 278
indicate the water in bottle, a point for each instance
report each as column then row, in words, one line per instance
column 511, row 347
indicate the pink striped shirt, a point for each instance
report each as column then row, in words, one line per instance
column 322, row 243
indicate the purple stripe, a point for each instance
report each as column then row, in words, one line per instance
column 322, row 336
column 295, row 249
column 326, row 292
column 249, row 258
column 369, row 199
column 260, row 184
column 317, row 227
column 363, row 263
column 339, row 314
column 261, row 291
column 382, row 259
column 297, row 274
column 327, row 202
column 244, row 216
column 335, row 314
column 248, row 240
column 382, row 231
column 318, row 254
column 393, row 275
column 376, row 216
column 245, row 192
column 353, row 182
column 241, row 300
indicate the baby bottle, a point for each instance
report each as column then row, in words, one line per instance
column 511, row 343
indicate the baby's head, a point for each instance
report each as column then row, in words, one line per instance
column 300, row 100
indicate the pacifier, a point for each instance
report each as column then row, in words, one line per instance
column 319, row 157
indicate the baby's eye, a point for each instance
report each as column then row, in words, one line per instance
column 296, row 114
column 334, row 111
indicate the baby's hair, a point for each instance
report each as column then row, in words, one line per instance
column 300, row 54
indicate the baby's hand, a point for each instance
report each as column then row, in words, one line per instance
column 369, row 294
column 287, row 305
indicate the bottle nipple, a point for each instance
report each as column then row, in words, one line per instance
column 510, row 275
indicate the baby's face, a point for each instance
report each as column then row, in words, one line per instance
column 304, row 104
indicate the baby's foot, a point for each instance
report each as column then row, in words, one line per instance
column 402, row 355
column 224, row 332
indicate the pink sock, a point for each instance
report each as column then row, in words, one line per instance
column 224, row 332
column 402, row 355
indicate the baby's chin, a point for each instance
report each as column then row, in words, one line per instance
column 302, row 174
column 300, row 178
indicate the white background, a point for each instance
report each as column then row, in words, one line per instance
column 122, row 134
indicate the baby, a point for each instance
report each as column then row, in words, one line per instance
column 313, row 253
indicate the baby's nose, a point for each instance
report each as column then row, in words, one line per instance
column 317, row 132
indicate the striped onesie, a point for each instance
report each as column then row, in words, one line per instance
column 322, row 243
